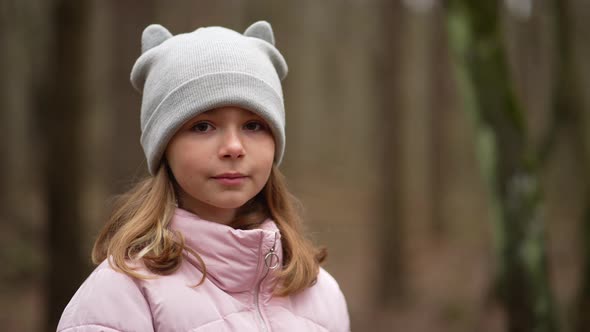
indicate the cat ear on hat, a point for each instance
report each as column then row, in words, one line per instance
column 263, row 30
column 153, row 36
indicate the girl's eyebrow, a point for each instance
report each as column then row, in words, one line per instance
column 210, row 112
column 204, row 116
column 213, row 115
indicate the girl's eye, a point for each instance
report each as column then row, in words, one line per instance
column 202, row 127
column 254, row 126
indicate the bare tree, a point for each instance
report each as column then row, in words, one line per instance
column 390, row 231
column 570, row 111
column 61, row 114
column 509, row 163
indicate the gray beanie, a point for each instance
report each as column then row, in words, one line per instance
column 187, row 74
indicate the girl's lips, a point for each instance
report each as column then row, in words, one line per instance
column 230, row 175
column 230, row 179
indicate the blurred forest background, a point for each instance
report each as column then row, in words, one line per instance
column 441, row 149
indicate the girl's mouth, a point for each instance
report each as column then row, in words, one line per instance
column 230, row 179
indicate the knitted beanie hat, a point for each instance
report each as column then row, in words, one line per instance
column 184, row 75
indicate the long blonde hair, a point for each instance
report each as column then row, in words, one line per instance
column 138, row 230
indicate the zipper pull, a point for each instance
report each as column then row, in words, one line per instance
column 271, row 259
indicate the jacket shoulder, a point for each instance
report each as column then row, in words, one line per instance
column 324, row 304
column 107, row 300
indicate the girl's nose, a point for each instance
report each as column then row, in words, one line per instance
column 231, row 145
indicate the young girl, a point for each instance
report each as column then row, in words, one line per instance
column 211, row 241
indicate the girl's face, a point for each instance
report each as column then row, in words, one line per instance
column 220, row 159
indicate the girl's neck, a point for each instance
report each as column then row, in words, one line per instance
column 208, row 212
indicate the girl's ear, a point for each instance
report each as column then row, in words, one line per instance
column 153, row 36
column 261, row 30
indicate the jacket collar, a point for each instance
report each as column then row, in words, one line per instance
column 234, row 258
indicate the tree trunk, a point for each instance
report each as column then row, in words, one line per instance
column 62, row 119
column 508, row 163
column 390, row 231
column 570, row 110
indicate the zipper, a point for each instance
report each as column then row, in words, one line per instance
column 271, row 262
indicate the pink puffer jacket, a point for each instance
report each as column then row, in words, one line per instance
column 236, row 295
